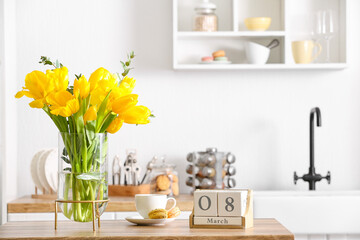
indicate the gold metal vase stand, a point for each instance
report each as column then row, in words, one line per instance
column 95, row 211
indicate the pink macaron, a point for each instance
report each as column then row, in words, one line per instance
column 207, row 59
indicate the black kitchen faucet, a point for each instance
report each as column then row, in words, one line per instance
column 312, row 177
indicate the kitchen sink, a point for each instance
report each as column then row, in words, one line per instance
column 314, row 212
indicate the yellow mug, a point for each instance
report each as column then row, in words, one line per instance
column 303, row 51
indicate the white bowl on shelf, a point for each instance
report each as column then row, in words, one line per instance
column 256, row 53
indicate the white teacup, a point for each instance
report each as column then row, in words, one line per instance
column 145, row 203
column 256, row 53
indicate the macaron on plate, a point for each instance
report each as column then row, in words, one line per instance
column 217, row 58
column 145, row 222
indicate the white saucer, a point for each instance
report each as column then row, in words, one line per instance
column 216, row 62
column 34, row 169
column 51, row 169
column 41, row 170
column 142, row 221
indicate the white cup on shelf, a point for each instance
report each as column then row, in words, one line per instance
column 256, row 53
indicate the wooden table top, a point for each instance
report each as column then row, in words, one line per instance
column 179, row 229
column 116, row 204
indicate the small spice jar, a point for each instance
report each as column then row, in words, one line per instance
column 164, row 180
column 205, row 19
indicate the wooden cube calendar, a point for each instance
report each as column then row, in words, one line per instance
column 222, row 209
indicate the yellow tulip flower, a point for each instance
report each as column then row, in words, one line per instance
column 137, row 115
column 59, row 78
column 98, row 96
column 91, row 114
column 127, row 84
column 37, row 86
column 115, row 93
column 63, row 103
column 115, row 125
column 124, row 103
column 101, row 83
column 81, row 87
column 100, row 74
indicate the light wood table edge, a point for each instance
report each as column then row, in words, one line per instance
column 269, row 229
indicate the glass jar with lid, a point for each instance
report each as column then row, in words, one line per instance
column 205, row 19
column 164, row 179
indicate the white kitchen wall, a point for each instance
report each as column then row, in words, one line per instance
column 8, row 108
column 261, row 116
column 2, row 124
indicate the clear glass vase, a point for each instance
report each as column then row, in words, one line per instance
column 83, row 174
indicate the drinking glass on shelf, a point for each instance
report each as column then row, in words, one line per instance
column 325, row 28
column 316, row 29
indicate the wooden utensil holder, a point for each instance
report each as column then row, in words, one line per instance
column 247, row 221
column 128, row 191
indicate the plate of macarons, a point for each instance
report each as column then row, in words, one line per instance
column 156, row 217
column 218, row 57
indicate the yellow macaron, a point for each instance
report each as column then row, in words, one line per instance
column 220, row 53
column 158, row 214
column 174, row 212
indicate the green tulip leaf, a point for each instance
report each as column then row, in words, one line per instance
column 65, row 159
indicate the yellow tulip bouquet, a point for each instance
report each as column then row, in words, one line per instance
column 84, row 113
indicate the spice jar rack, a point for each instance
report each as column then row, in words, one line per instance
column 210, row 170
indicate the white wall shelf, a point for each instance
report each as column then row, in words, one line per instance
column 324, row 66
column 291, row 21
column 232, row 34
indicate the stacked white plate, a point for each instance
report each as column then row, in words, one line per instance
column 44, row 169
